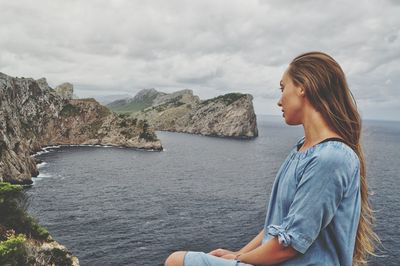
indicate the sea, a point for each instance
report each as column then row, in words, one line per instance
column 123, row 206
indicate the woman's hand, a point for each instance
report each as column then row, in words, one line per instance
column 229, row 256
column 220, row 252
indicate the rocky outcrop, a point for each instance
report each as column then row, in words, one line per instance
column 33, row 115
column 49, row 252
column 229, row 115
column 65, row 90
column 85, row 121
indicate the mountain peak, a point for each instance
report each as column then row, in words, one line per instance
column 145, row 93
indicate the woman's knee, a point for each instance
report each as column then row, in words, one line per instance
column 175, row 259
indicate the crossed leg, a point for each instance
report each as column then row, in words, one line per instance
column 175, row 259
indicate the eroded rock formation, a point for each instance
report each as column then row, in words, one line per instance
column 229, row 115
column 65, row 90
column 33, row 115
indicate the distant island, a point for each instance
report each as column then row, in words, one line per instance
column 228, row 115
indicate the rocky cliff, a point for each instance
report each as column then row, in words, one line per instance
column 229, row 115
column 33, row 115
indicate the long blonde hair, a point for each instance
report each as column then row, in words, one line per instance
column 326, row 88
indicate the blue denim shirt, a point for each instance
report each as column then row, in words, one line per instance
column 315, row 204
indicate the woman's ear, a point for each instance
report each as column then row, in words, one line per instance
column 302, row 92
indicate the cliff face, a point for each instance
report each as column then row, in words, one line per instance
column 85, row 121
column 33, row 115
column 229, row 115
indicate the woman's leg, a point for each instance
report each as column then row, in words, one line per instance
column 175, row 259
column 196, row 258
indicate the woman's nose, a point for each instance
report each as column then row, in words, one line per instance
column 279, row 102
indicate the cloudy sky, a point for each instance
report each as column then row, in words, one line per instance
column 213, row 47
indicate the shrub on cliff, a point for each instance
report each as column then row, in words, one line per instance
column 70, row 110
column 146, row 133
column 13, row 216
column 227, row 99
column 22, row 240
column 12, row 251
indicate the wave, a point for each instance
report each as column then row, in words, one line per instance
column 40, row 152
column 40, row 165
column 43, row 175
column 52, row 147
column 39, row 178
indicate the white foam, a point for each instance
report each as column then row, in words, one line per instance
column 33, row 182
column 40, row 165
column 44, row 175
column 41, row 152
column 52, row 147
column 46, row 149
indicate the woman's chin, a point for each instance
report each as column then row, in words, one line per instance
column 291, row 122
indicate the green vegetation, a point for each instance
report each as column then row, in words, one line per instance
column 127, row 133
column 134, row 106
column 227, row 99
column 104, row 111
column 127, row 121
column 59, row 257
column 70, row 110
column 123, row 115
column 86, row 100
column 171, row 103
column 121, row 107
column 129, row 108
column 9, row 193
column 13, row 205
column 16, row 226
column 94, row 127
column 12, row 251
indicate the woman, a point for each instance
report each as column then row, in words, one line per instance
column 318, row 213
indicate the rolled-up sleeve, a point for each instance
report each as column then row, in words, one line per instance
column 318, row 194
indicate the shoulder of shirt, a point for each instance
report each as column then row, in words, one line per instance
column 331, row 151
column 336, row 152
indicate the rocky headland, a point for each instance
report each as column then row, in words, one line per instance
column 229, row 115
column 33, row 115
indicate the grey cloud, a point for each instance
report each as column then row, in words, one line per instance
column 209, row 46
column 204, row 78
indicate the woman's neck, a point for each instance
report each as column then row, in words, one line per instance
column 315, row 129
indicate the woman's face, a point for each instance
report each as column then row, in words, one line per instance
column 291, row 101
